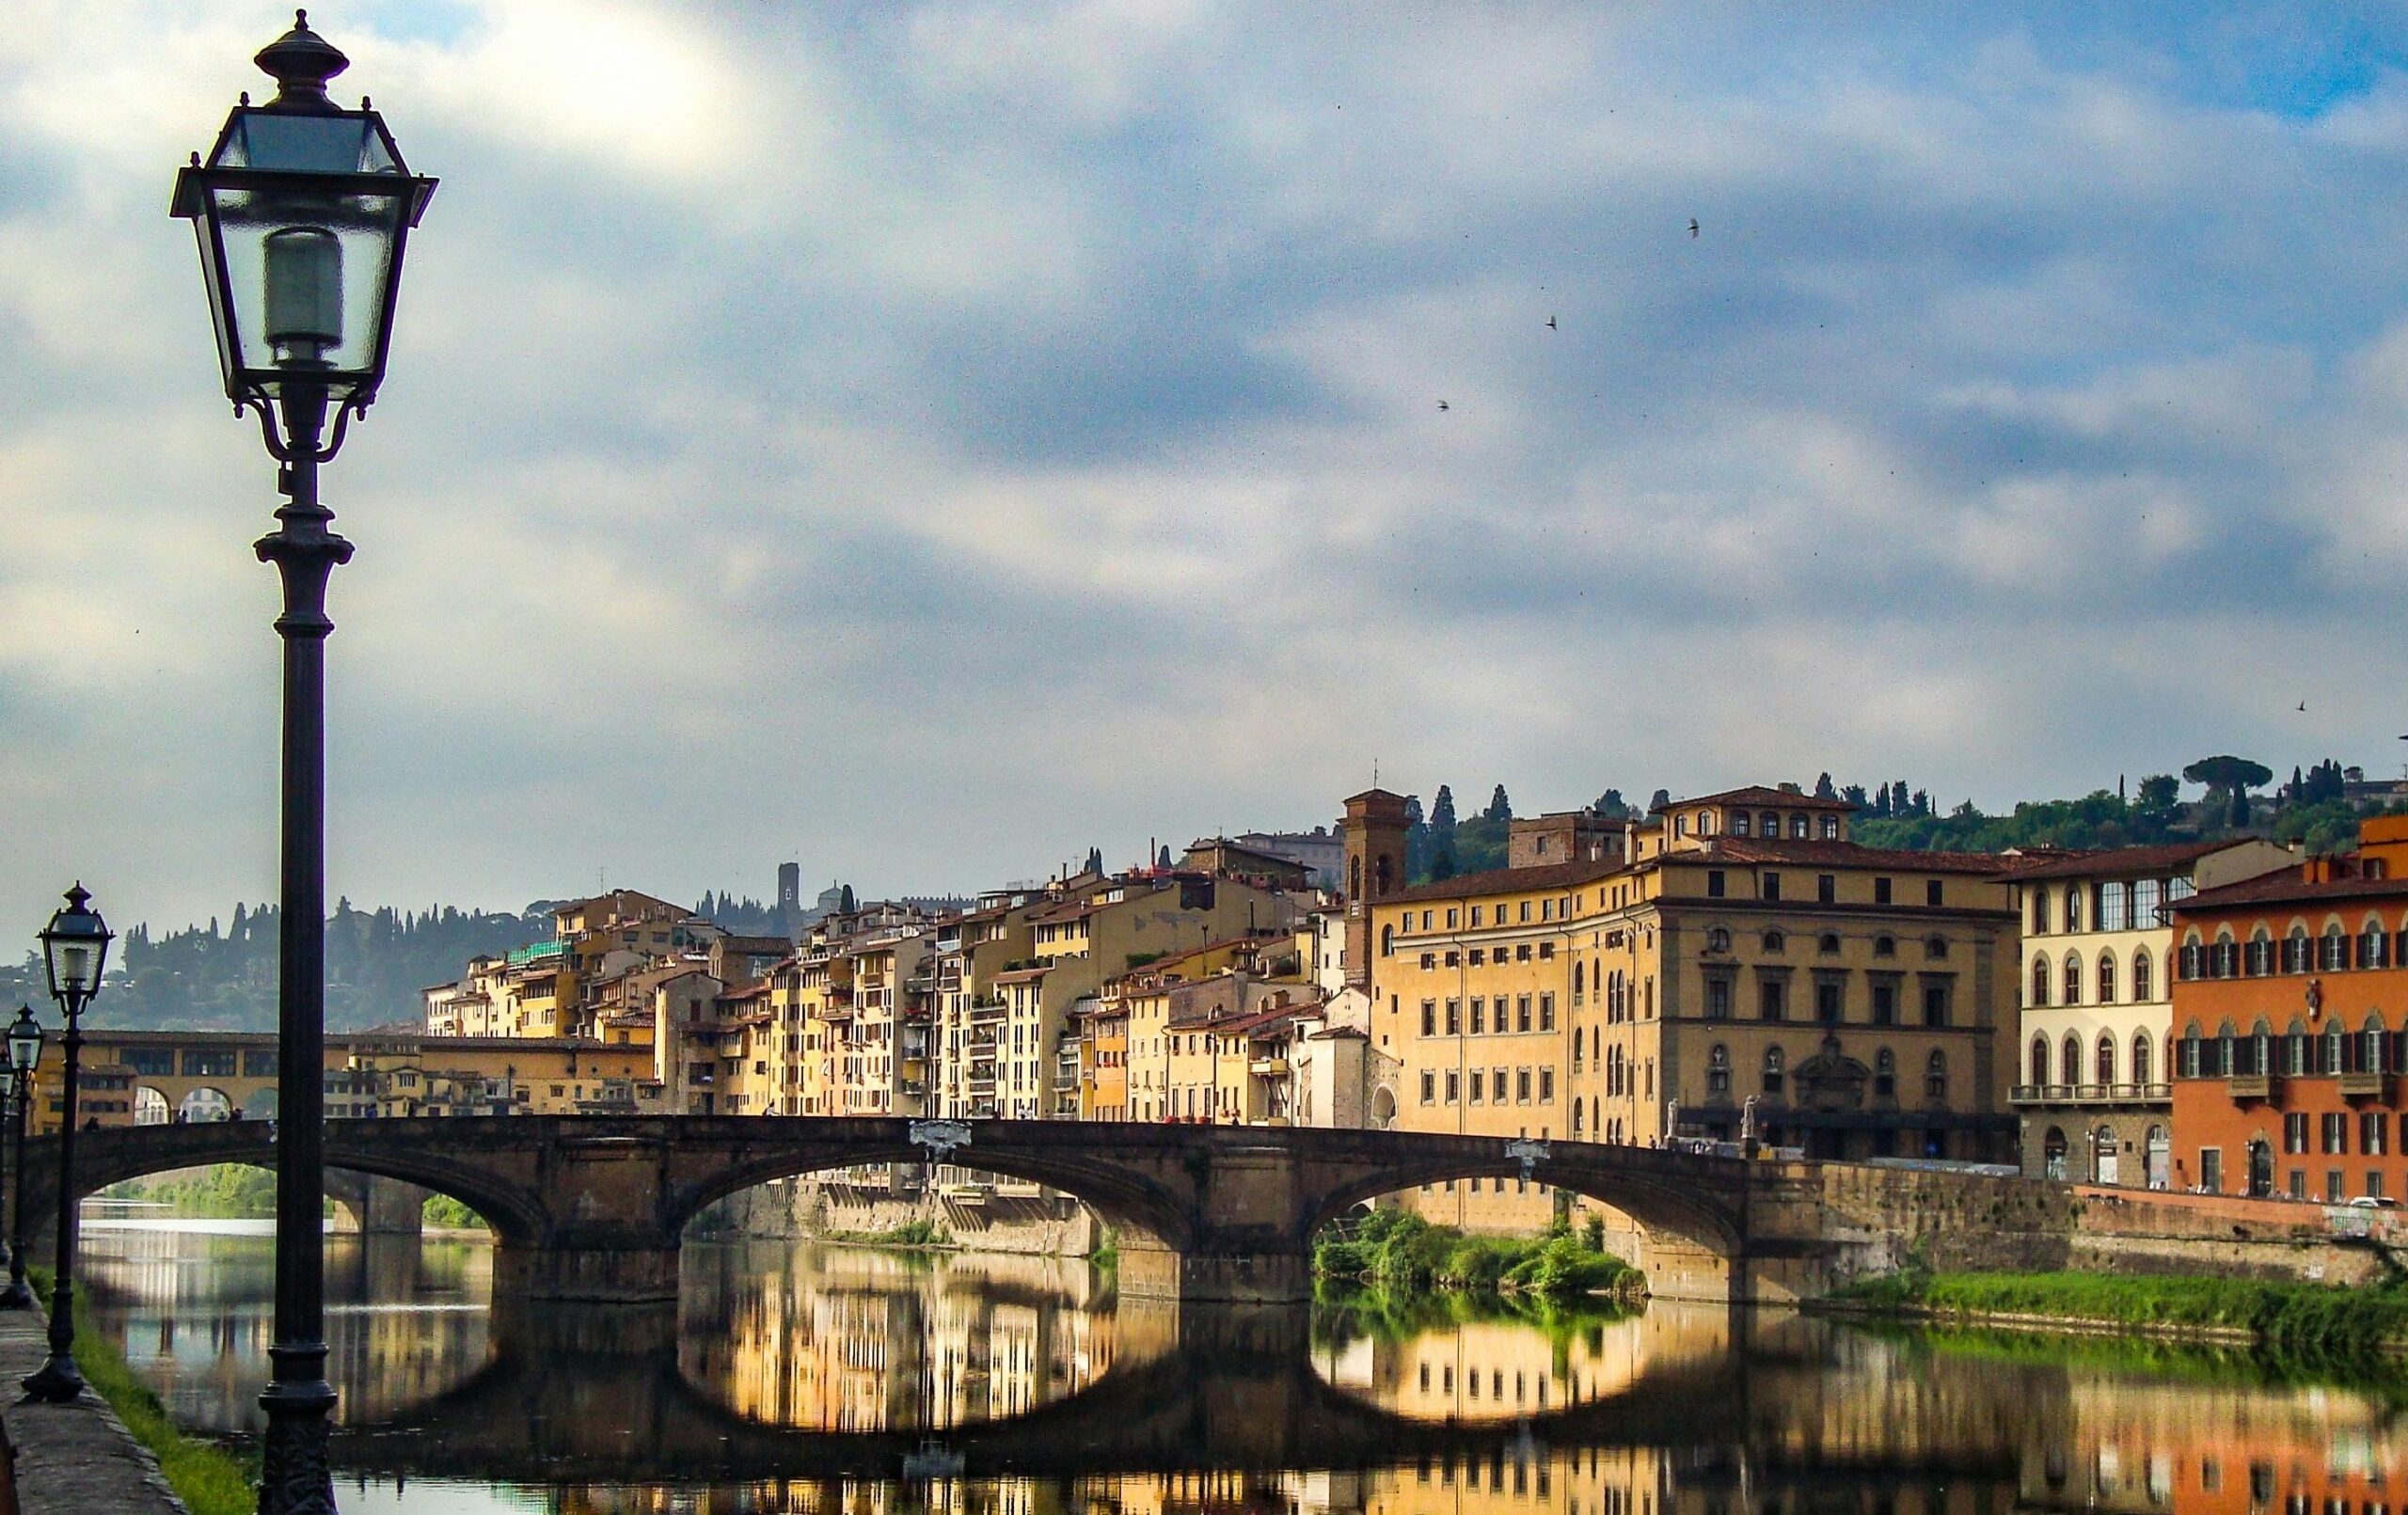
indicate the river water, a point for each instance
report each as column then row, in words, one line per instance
column 852, row 1381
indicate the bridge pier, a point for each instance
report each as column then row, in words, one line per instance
column 366, row 1204
column 1249, row 1275
column 615, row 1269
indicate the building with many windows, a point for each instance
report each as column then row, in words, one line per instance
column 2095, row 1087
column 2290, row 1015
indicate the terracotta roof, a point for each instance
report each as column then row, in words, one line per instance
column 1840, row 855
column 2123, row 859
column 1753, row 794
column 1504, row 881
column 1022, row 976
column 2285, row 884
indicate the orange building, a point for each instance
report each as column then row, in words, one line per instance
column 2290, row 1025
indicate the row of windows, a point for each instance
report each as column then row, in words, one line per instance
column 1481, row 956
column 2260, row 1179
column 2333, row 1132
column 2296, row 1054
column 1717, row 940
column 2143, row 1064
column 213, row 1063
column 1512, row 1015
column 1827, row 887
column 1803, row 826
column 1830, row 1002
column 1776, row 1070
column 2133, row 905
column 2298, row 953
column 1491, row 1086
column 2143, row 975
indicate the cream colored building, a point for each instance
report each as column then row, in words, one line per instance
column 2093, row 1080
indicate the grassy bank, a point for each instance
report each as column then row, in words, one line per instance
column 925, row 1236
column 1400, row 1252
column 227, row 1192
column 204, row 1475
column 2313, row 1324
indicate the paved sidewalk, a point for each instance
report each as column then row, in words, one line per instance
column 73, row 1458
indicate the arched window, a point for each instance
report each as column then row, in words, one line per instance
column 2191, row 962
column 1718, row 940
column 2370, row 1058
column 2052, row 1155
column 2295, row 1054
column 2071, row 1066
column 2260, row 957
column 2039, row 911
column 2296, row 954
column 1775, row 941
column 1705, row 822
column 1681, row 825
column 2332, row 950
column 1387, row 941
column 1769, row 824
column 2160, row 1152
column 1741, row 825
column 2144, row 1064
column 2140, row 976
column 2040, row 1061
column 1797, row 827
column 2106, row 978
column 1775, row 1064
column 2040, row 980
column 1831, row 828
column 2073, row 978
column 1579, row 1110
column 2261, row 1048
column 1828, row 943
column 2106, row 1057
column 1885, row 1073
column 2103, row 1167
column 1885, row 946
column 1354, row 877
column 1935, row 949
column 2224, row 962
column 2225, row 1038
column 2073, row 908
column 2188, row 1064
column 1935, row 1076
column 1579, row 979
column 2374, row 946
column 1718, row 1069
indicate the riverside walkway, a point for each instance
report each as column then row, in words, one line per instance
column 74, row 1458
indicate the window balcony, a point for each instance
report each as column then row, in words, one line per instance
column 1268, row 1067
column 2090, row 1094
column 2249, row 1086
column 2354, row 1085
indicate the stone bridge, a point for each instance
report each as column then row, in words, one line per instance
column 593, row 1208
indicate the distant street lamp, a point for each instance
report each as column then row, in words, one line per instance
column 24, row 1054
column 302, row 212
column 75, row 949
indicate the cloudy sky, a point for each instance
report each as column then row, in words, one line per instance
column 926, row 439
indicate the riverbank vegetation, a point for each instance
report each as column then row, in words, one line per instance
column 1400, row 1252
column 226, row 1191
column 2315, row 1324
column 921, row 1236
column 207, row 1478
column 445, row 1213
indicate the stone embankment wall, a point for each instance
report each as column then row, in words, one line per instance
column 1879, row 1219
column 1047, row 1225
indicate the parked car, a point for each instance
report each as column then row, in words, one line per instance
column 2374, row 1202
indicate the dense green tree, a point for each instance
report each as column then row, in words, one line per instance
column 1823, row 789
column 1661, row 799
column 1095, row 860
column 1499, row 808
column 2228, row 780
column 1610, row 806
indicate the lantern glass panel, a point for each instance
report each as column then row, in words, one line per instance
column 25, row 1043
column 308, row 273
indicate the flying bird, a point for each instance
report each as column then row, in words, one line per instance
column 1550, row 322
column 1442, row 405
column 1692, row 226
column 2303, row 704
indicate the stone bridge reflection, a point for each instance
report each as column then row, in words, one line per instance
column 598, row 1395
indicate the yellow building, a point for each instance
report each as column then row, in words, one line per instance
column 1737, row 962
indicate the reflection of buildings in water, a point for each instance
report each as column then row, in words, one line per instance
column 2197, row 1449
column 857, row 1340
column 193, row 1313
column 1503, row 1370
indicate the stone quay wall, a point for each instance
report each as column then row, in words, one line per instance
column 814, row 1209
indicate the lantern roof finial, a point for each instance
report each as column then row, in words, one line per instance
column 301, row 62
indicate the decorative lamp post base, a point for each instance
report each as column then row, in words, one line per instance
column 16, row 1296
column 56, row 1381
column 295, row 1476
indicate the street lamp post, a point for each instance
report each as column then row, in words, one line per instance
column 24, row 1054
column 74, row 950
column 302, row 212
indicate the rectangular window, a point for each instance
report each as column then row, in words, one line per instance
column 1827, row 887
column 1480, row 952
column 1455, row 1018
column 2212, row 1170
column 1526, row 912
column 1452, row 1090
column 2335, row 1191
column 1521, row 1087
column 1772, row 886
column 1772, row 999
column 1547, row 1012
column 1546, row 1086
column 1480, row 1014
column 2374, row 1126
column 2295, row 1132
column 1931, row 895
column 1718, row 1003
column 1475, row 917
column 160, row 1062
column 1522, row 1013
column 1477, row 1084
column 2299, row 1183
column 1935, row 1004
column 1885, row 1005
column 2374, row 1191
column 1714, row 884
column 258, row 1062
column 1827, row 1003
column 1428, row 1018
column 1881, row 892
column 2334, row 1131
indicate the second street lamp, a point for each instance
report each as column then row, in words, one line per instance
column 24, row 1055
column 302, row 210
column 75, row 949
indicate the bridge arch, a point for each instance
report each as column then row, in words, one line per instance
column 1124, row 1199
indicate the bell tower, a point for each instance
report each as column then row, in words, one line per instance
column 1374, row 829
